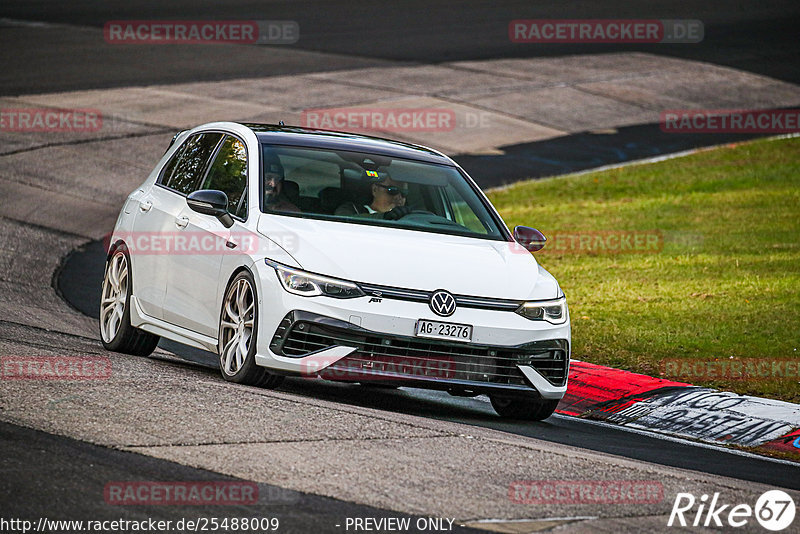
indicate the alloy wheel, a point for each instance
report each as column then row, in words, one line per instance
column 114, row 296
column 238, row 318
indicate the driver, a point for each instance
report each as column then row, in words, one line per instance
column 388, row 200
column 274, row 199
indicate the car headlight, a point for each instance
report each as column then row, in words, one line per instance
column 300, row 282
column 552, row 311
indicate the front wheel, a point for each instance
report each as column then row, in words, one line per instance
column 524, row 409
column 116, row 331
column 238, row 331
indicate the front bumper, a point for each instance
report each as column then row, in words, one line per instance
column 337, row 350
column 361, row 340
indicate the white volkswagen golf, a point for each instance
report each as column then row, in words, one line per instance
column 296, row 252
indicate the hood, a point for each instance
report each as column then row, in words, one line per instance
column 410, row 259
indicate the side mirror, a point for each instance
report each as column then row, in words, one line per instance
column 211, row 202
column 530, row 238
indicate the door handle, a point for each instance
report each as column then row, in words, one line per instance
column 181, row 222
column 145, row 206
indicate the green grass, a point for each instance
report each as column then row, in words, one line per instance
column 725, row 285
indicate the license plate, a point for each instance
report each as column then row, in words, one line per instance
column 438, row 330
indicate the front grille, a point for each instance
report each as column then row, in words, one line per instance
column 463, row 301
column 412, row 357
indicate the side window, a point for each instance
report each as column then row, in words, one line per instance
column 169, row 168
column 462, row 212
column 187, row 165
column 228, row 174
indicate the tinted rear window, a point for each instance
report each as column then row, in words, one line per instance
column 188, row 165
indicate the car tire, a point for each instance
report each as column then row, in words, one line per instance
column 116, row 331
column 238, row 334
column 524, row 409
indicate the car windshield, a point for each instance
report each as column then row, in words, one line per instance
column 361, row 188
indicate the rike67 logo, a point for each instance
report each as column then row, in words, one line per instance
column 774, row 510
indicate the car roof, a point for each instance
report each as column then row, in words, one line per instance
column 308, row 137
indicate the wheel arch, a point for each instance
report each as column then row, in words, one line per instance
column 112, row 248
column 231, row 277
column 235, row 273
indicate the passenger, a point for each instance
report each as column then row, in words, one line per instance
column 274, row 199
column 388, row 200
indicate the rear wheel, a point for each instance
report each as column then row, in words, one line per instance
column 525, row 409
column 116, row 331
column 238, row 331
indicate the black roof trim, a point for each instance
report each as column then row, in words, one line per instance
column 308, row 137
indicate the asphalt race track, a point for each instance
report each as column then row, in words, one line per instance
column 320, row 452
column 753, row 36
column 77, row 470
column 79, row 279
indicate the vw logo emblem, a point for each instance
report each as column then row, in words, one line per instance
column 443, row 303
